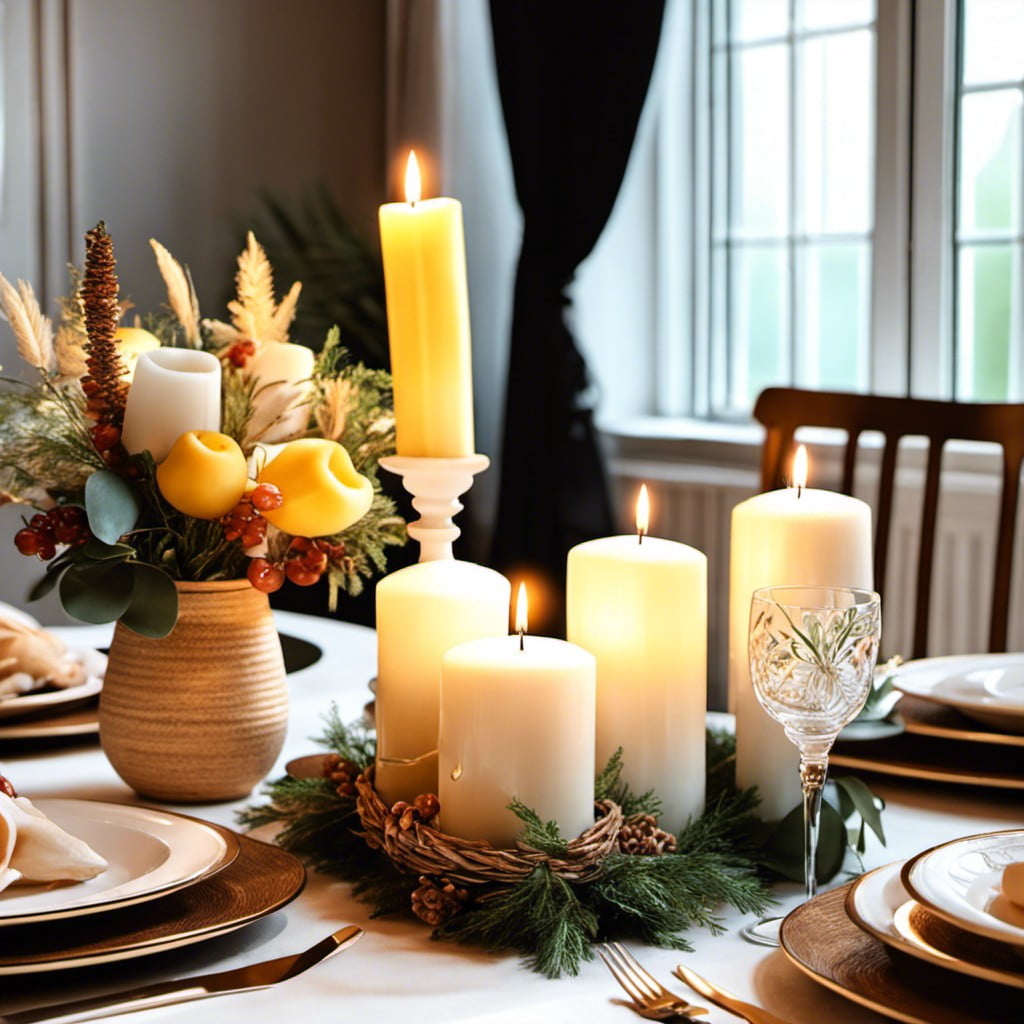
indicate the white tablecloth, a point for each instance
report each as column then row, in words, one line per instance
column 396, row 973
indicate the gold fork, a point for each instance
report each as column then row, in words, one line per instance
column 650, row 998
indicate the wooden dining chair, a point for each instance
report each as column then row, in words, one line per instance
column 784, row 410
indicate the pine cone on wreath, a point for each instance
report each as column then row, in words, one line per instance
column 438, row 899
column 640, row 835
column 342, row 774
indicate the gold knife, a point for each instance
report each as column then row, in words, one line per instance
column 255, row 976
column 748, row 1011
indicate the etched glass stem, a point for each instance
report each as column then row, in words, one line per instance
column 812, row 777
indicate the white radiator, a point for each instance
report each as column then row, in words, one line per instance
column 694, row 485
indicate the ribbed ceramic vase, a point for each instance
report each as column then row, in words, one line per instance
column 200, row 715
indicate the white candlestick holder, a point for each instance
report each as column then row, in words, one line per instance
column 435, row 485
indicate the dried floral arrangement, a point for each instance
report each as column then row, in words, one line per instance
column 116, row 529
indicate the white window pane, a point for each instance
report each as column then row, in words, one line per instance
column 818, row 14
column 990, row 160
column 837, row 132
column 760, row 141
column 720, row 146
column 835, row 314
column 759, row 323
column 993, row 41
column 988, row 352
column 719, row 315
column 758, row 19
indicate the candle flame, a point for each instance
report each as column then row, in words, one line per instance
column 413, row 182
column 643, row 512
column 521, row 613
column 800, row 469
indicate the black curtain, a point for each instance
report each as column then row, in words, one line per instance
column 573, row 75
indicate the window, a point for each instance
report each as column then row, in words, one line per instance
column 857, row 215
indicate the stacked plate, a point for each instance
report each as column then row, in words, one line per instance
column 171, row 881
column 963, row 719
column 929, row 941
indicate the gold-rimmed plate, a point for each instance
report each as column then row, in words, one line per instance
column 821, row 940
column 879, row 904
column 149, row 853
column 260, row 881
column 926, row 718
column 961, row 882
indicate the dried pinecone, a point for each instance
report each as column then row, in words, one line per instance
column 403, row 815
column 438, row 899
column 342, row 774
column 640, row 835
column 6, row 786
column 104, row 384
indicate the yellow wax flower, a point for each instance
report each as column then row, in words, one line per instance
column 131, row 343
column 321, row 489
column 203, row 475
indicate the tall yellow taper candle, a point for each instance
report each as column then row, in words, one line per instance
column 424, row 254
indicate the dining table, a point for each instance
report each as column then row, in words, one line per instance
column 396, row 972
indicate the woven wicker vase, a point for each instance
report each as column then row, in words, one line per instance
column 200, row 715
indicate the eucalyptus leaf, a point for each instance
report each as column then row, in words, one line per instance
column 784, row 851
column 111, row 504
column 100, row 551
column 42, row 587
column 96, row 591
column 865, row 802
column 153, row 610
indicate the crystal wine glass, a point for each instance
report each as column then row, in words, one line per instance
column 812, row 662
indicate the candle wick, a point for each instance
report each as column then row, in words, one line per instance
column 522, row 646
column 639, row 536
column 799, row 489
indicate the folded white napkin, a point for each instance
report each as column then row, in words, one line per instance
column 32, row 657
column 34, row 849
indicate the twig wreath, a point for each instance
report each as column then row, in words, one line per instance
column 550, row 898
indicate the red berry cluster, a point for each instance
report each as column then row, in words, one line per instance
column 65, row 524
column 304, row 563
column 244, row 522
column 241, row 352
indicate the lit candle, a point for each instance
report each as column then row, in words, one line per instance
column 422, row 610
column 517, row 722
column 639, row 605
column 173, row 390
column 424, row 256
column 798, row 536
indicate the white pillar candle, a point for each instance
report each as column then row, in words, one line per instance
column 790, row 536
column 422, row 611
column 641, row 610
column 280, row 405
column 517, row 722
column 173, row 390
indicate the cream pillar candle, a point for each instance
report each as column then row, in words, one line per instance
column 792, row 536
column 173, row 390
column 424, row 254
column 280, row 404
column 639, row 605
column 517, row 723
column 422, row 611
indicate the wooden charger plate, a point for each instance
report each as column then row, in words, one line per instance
column 935, row 759
column 260, row 880
column 926, row 718
column 821, row 940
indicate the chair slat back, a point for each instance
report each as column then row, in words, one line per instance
column 783, row 410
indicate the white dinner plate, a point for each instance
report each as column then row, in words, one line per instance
column 961, row 882
column 149, row 853
column 49, row 701
column 986, row 687
column 879, row 904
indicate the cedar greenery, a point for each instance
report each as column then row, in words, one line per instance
column 552, row 922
